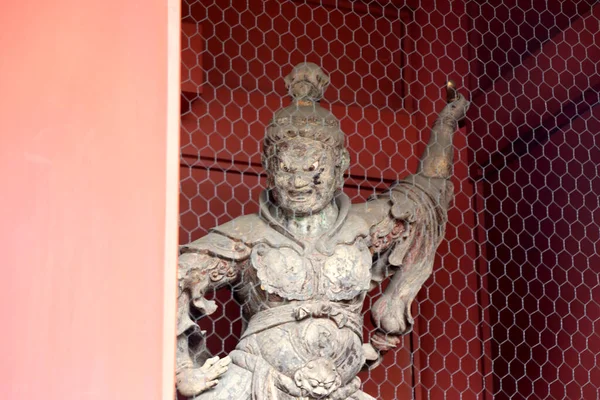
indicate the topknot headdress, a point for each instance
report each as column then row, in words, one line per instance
column 305, row 117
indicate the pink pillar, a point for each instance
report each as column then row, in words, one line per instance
column 89, row 161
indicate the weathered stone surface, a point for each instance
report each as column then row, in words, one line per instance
column 304, row 264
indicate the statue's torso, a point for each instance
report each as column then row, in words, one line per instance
column 290, row 274
column 303, row 298
column 329, row 288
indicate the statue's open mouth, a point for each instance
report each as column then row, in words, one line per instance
column 300, row 196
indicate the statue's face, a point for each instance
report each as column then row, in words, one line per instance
column 304, row 176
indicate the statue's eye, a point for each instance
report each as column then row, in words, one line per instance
column 314, row 166
column 283, row 167
column 313, row 382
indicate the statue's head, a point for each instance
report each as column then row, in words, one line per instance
column 304, row 151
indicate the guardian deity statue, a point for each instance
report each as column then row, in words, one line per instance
column 303, row 265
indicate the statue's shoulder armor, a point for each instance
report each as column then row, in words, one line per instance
column 353, row 228
column 236, row 238
column 436, row 190
column 420, row 191
column 232, row 240
column 371, row 212
column 385, row 231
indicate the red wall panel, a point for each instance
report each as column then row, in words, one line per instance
column 249, row 43
column 544, row 267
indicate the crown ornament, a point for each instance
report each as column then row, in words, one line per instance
column 307, row 82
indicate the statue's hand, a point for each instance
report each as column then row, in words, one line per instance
column 385, row 342
column 390, row 314
column 458, row 108
column 457, row 103
column 193, row 381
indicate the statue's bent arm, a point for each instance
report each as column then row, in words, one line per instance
column 198, row 272
column 418, row 213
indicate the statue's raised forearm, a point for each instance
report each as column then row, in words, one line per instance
column 419, row 204
column 436, row 161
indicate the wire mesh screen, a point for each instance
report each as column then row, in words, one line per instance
column 511, row 308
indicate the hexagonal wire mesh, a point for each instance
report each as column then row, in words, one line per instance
column 511, row 308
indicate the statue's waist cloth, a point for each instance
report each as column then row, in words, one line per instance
column 285, row 346
column 272, row 317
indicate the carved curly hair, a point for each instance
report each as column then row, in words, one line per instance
column 284, row 129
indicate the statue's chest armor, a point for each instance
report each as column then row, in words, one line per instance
column 296, row 275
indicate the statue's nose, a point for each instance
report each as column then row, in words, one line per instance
column 300, row 181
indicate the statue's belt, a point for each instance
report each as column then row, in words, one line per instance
column 284, row 314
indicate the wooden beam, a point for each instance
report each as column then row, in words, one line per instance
column 538, row 89
column 571, row 111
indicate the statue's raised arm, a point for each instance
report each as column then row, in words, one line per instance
column 437, row 159
column 303, row 265
column 409, row 222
